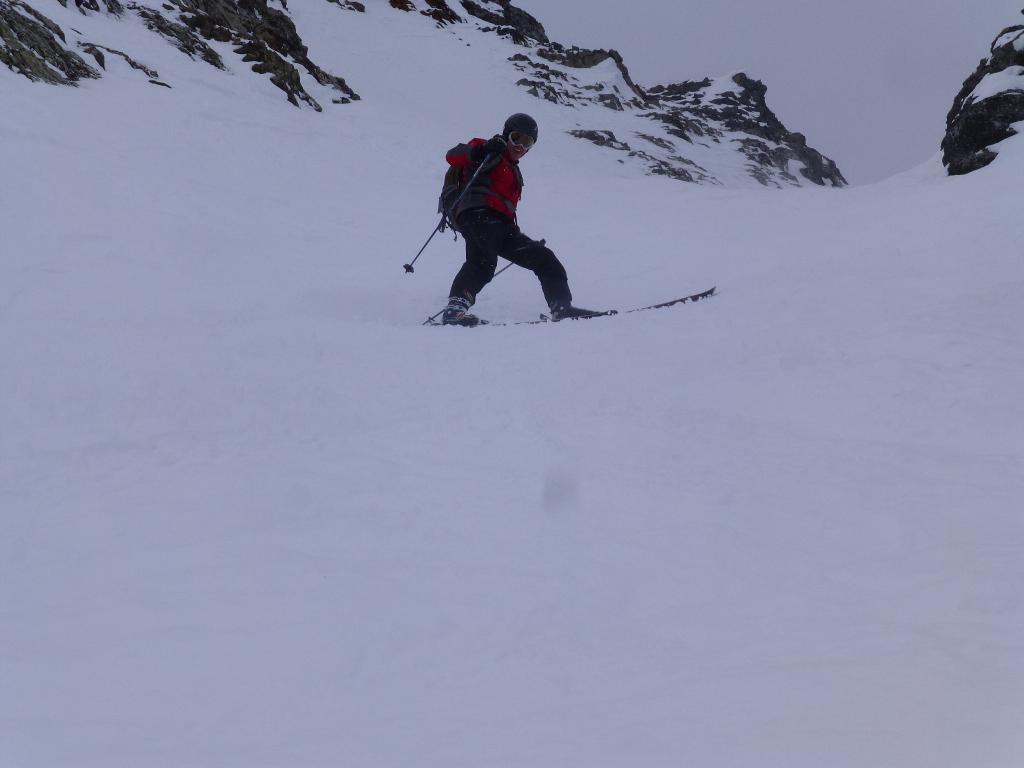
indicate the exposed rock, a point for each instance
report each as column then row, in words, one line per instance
column 264, row 36
column 602, row 139
column 350, row 5
column 674, row 166
column 989, row 103
column 97, row 52
column 113, row 6
column 553, row 76
column 183, row 38
column 494, row 14
column 523, row 23
column 511, row 22
column 727, row 111
column 734, row 109
column 441, row 12
column 34, row 46
column 544, row 81
column 583, row 58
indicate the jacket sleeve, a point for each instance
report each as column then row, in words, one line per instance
column 465, row 155
column 459, row 156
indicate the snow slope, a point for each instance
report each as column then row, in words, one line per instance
column 253, row 514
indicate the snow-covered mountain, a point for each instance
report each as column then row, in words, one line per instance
column 254, row 515
column 716, row 131
column 989, row 108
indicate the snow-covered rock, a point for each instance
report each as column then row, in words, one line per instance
column 682, row 128
column 734, row 109
column 34, row 45
column 988, row 106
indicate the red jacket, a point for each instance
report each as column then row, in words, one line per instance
column 499, row 185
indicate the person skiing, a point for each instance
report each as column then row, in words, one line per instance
column 486, row 217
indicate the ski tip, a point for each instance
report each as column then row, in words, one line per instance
column 704, row 294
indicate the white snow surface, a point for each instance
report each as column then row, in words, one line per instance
column 1016, row 36
column 1009, row 79
column 255, row 515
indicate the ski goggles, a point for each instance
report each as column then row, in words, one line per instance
column 520, row 139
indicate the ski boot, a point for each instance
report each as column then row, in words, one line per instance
column 456, row 313
column 569, row 312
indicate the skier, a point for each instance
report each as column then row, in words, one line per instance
column 486, row 217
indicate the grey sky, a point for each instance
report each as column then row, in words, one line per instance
column 868, row 81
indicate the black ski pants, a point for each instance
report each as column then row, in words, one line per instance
column 489, row 235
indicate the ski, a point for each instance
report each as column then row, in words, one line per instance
column 607, row 313
column 682, row 300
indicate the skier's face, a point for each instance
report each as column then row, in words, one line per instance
column 519, row 144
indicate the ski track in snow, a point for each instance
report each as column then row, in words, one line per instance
column 255, row 515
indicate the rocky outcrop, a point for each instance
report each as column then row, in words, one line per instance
column 693, row 117
column 180, row 36
column 509, row 21
column 100, row 52
column 735, row 110
column 690, row 119
column 438, row 10
column 263, row 36
column 34, row 46
column 987, row 107
column 670, row 164
column 554, row 74
column 110, row 6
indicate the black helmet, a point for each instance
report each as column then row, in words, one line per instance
column 522, row 123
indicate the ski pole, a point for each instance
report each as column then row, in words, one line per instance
column 447, row 213
column 408, row 267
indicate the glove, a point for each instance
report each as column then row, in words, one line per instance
column 494, row 146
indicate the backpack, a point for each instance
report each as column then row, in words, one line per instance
column 450, row 191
